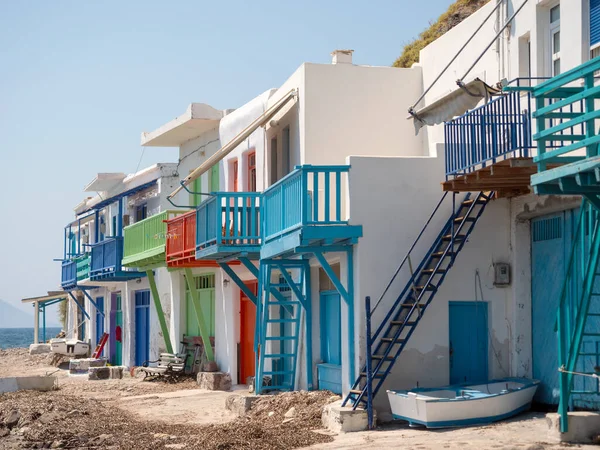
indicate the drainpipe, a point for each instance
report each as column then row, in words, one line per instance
column 96, row 226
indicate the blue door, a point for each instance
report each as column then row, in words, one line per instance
column 329, row 372
column 142, row 327
column 468, row 342
column 99, row 319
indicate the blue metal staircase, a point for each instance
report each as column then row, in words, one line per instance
column 578, row 318
column 401, row 320
column 278, row 318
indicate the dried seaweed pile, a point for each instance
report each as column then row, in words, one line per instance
column 53, row 420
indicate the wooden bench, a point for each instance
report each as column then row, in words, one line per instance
column 168, row 366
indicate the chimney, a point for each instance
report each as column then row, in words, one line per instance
column 341, row 56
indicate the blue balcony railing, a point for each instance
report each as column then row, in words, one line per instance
column 230, row 219
column 310, row 195
column 498, row 130
column 69, row 274
column 106, row 257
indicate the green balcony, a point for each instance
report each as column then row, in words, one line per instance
column 83, row 267
column 145, row 241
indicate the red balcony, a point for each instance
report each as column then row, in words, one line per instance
column 181, row 243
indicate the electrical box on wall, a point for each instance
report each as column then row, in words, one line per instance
column 501, row 274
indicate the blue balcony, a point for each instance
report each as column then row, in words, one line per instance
column 69, row 274
column 497, row 131
column 228, row 226
column 307, row 209
column 105, row 264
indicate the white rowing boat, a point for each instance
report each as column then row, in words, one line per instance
column 463, row 404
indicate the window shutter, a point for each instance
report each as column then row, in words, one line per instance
column 594, row 22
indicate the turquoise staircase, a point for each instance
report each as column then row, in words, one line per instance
column 569, row 164
column 578, row 318
column 279, row 315
column 403, row 317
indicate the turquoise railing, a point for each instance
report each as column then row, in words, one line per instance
column 229, row 218
column 310, row 195
column 83, row 267
column 565, row 117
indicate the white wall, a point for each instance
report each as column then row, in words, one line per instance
column 392, row 213
column 230, row 126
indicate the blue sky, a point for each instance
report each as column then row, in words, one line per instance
column 79, row 82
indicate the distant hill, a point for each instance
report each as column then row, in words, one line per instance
column 11, row 317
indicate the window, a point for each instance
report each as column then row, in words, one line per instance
column 252, row 172
column 555, row 39
column 285, row 151
column 235, row 175
column 594, row 25
column 141, row 212
column 525, row 60
column 114, row 226
column 273, row 168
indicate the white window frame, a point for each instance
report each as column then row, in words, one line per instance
column 554, row 28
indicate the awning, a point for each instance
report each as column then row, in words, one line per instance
column 56, row 295
column 231, row 145
column 456, row 103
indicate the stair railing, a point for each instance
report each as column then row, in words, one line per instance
column 393, row 310
column 450, row 247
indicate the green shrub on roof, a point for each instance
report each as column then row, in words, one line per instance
column 456, row 13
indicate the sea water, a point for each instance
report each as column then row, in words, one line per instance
column 22, row 337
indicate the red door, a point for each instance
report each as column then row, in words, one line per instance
column 247, row 327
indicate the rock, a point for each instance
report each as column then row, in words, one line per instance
column 210, row 366
column 291, row 419
column 161, row 436
column 13, row 418
column 240, row 404
column 4, row 432
column 39, row 349
column 333, row 398
column 101, row 440
column 23, row 430
column 290, row 413
column 176, row 446
column 58, row 444
column 73, row 412
column 48, row 417
column 271, row 414
column 214, row 381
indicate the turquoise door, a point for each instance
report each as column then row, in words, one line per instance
column 142, row 327
column 99, row 319
column 550, row 247
column 468, row 342
column 329, row 372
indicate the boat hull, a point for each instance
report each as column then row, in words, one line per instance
column 463, row 405
column 69, row 347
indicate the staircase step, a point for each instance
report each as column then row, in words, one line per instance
column 464, row 218
column 430, row 271
column 387, row 358
column 429, row 287
column 391, row 340
column 400, row 322
column 471, row 201
column 282, row 372
column 375, row 375
column 281, row 338
column 410, row 305
column 440, row 254
column 286, row 303
column 355, row 391
column 282, row 320
column 448, row 237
